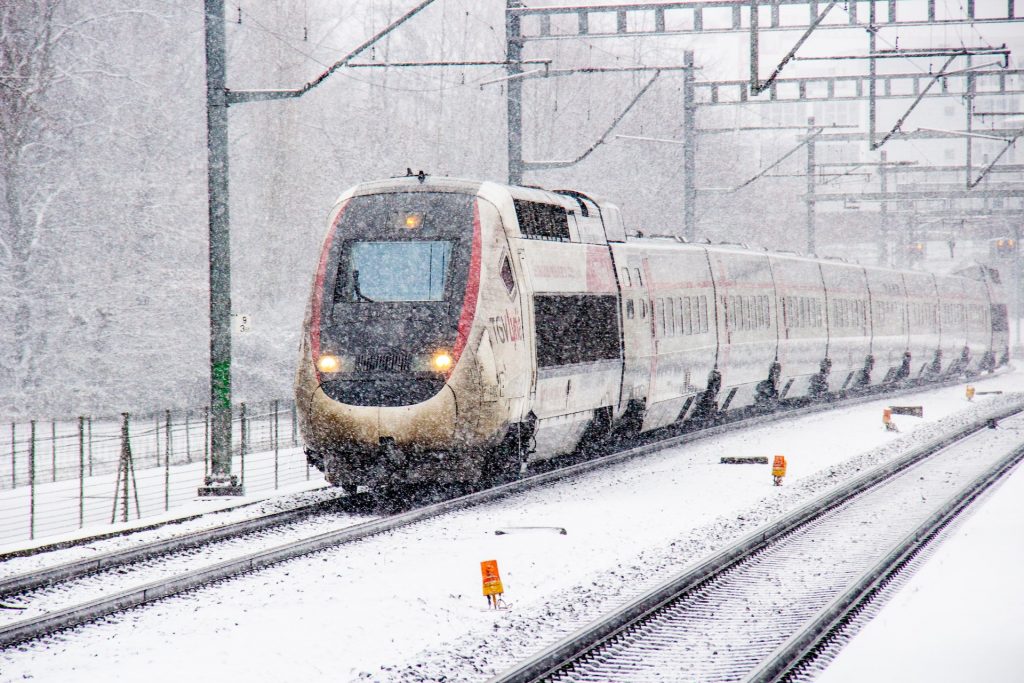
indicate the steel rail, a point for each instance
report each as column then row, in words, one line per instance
column 39, row 578
column 72, row 616
column 803, row 646
column 587, row 639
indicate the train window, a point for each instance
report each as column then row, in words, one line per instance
column 575, row 328
column 672, row 317
column 507, row 278
column 1000, row 320
column 398, row 271
column 630, row 310
column 639, row 280
column 643, row 307
column 661, row 317
column 625, row 278
column 542, row 221
column 684, row 316
column 703, row 313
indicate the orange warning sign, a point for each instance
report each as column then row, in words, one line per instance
column 779, row 466
column 492, row 581
column 970, row 393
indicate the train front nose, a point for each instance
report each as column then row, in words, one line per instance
column 358, row 414
column 392, row 302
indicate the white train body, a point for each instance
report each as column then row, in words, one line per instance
column 457, row 326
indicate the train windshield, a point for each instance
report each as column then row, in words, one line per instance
column 398, row 271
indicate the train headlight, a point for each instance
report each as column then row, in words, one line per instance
column 412, row 221
column 441, row 361
column 328, row 363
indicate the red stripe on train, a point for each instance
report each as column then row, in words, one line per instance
column 472, row 290
column 318, row 289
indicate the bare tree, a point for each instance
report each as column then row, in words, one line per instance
column 29, row 144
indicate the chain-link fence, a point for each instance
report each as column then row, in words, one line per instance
column 60, row 475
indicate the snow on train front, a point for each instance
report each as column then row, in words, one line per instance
column 387, row 370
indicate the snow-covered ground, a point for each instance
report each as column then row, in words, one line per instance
column 959, row 618
column 408, row 606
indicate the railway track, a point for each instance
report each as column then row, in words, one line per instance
column 763, row 609
column 164, row 568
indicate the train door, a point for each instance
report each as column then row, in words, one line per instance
column 529, row 324
column 636, row 328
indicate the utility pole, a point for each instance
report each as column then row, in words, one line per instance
column 883, row 218
column 514, row 57
column 689, row 149
column 1018, row 294
column 811, row 247
column 219, row 481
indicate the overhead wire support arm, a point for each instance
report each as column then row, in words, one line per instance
column 814, row 134
column 899, row 123
column 971, row 184
column 240, row 96
column 756, row 86
column 540, row 165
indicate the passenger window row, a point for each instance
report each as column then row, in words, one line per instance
column 681, row 315
column 976, row 315
column 922, row 315
column 887, row 313
column 848, row 313
column 802, row 312
column 952, row 314
column 748, row 312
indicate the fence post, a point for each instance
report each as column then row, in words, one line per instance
column 90, row 443
column 81, row 472
column 53, row 450
column 206, row 442
column 242, row 447
column 125, row 470
column 188, row 441
column 156, row 436
column 14, row 459
column 295, row 427
column 167, row 465
column 276, row 425
column 32, row 480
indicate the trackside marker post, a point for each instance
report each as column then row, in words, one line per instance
column 887, row 420
column 493, row 590
column 970, row 393
column 778, row 469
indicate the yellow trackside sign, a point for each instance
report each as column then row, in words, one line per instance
column 491, row 578
column 778, row 469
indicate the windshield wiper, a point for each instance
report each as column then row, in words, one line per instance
column 355, row 285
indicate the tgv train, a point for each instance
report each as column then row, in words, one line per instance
column 460, row 329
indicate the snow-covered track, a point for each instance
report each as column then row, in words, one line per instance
column 113, row 600
column 756, row 610
column 39, row 578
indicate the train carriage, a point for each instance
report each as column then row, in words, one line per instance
column 460, row 329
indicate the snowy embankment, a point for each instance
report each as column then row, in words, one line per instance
column 408, row 606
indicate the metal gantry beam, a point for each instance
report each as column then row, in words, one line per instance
column 724, row 16
column 857, row 87
column 1015, row 192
